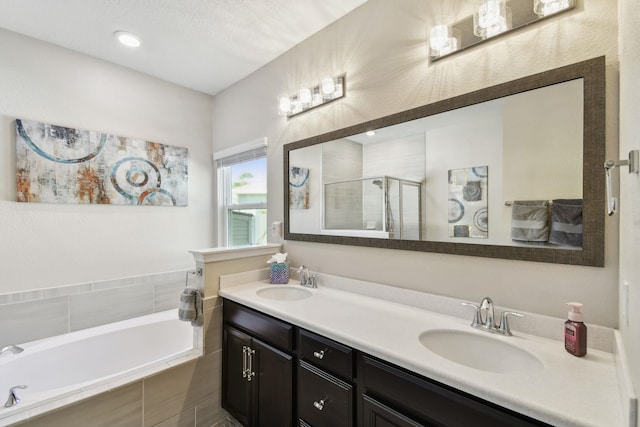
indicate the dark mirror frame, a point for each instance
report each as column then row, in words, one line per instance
column 593, row 183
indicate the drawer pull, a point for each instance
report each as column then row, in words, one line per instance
column 318, row 354
column 319, row 405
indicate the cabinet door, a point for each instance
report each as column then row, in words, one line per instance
column 236, row 390
column 274, row 382
column 375, row 414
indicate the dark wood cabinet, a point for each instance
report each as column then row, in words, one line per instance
column 376, row 414
column 427, row 401
column 278, row 375
column 257, row 378
column 323, row 400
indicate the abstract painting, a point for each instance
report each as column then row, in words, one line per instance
column 468, row 214
column 298, row 188
column 55, row 164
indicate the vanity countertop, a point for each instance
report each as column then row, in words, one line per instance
column 568, row 391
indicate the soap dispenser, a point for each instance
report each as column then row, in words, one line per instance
column 575, row 331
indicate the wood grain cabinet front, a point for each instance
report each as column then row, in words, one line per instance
column 323, row 400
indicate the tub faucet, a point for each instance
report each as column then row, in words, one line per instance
column 306, row 278
column 13, row 399
column 12, row 348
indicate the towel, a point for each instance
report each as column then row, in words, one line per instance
column 566, row 222
column 530, row 221
column 190, row 307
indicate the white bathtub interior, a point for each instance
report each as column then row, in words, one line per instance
column 74, row 366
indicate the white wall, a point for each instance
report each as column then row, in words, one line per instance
column 381, row 47
column 630, row 184
column 43, row 245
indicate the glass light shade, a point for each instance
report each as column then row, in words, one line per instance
column 438, row 37
column 549, row 7
column 327, row 87
column 443, row 41
column 284, row 105
column 317, row 98
column 304, row 97
column 490, row 19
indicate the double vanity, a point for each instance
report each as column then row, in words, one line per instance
column 357, row 353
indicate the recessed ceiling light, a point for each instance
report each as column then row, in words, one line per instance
column 128, row 39
column 371, row 133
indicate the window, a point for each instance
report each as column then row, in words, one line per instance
column 242, row 194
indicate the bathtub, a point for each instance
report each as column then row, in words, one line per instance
column 67, row 368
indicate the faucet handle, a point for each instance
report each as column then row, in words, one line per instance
column 504, row 322
column 477, row 321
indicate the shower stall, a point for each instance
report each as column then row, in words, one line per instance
column 381, row 206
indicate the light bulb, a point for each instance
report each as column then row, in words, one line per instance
column 284, row 105
column 489, row 14
column 549, row 7
column 328, row 87
column 304, row 97
column 438, row 37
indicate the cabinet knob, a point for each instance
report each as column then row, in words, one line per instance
column 319, row 405
column 318, row 354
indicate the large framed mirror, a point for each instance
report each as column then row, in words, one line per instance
column 512, row 171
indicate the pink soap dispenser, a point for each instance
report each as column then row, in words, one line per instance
column 575, row 331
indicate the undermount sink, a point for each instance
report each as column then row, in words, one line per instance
column 284, row 293
column 484, row 352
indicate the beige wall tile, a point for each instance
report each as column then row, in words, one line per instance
column 184, row 386
column 185, row 419
column 213, row 330
column 119, row 407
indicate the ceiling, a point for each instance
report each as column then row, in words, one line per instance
column 205, row 45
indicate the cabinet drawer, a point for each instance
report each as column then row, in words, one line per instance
column 323, row 400
column 267, row 328
column 326, row 354
column 375, row 414
column 435, row 403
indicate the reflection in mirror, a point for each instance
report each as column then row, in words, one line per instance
column 507, row 167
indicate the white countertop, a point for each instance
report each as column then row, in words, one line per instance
column 568, row 391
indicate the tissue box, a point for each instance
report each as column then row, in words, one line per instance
column 279, row 273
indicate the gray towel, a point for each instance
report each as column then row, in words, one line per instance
column 530, row 221
column 190, row 307
column 566, row 222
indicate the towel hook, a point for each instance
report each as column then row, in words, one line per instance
column 634, row 167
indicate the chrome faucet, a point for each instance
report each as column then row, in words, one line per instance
column 12, row 348
column 306, row 278
column 487, row 305
column 13, row 398
column 487, row 323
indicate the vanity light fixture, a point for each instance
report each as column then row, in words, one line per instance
column 329, row 89
column 549, row 7
column 128, row 39
column 491, row 18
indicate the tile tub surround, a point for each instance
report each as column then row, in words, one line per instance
column 36, row 314
column 389, row 329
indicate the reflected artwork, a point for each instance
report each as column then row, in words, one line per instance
column 298, row 188
column 55, row 164
column 468, row 213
